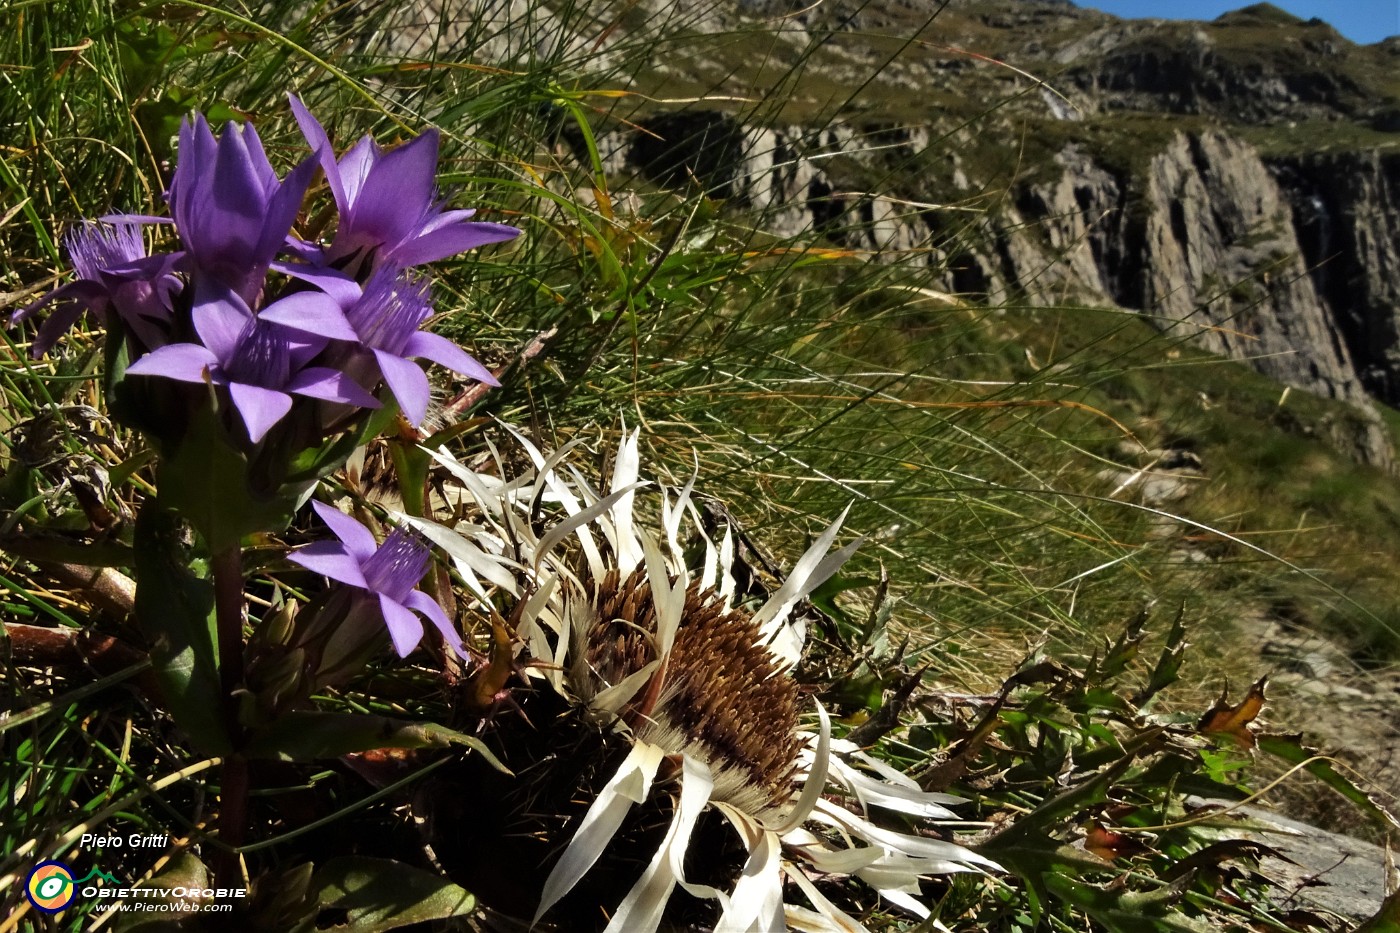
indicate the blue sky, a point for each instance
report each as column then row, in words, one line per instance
column 1362, row 21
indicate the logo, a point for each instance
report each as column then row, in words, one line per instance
column 50, row 887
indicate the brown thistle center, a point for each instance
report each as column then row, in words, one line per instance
column 719, row 694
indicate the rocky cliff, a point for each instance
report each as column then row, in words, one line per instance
column 1234, row 180
column 1287, row 264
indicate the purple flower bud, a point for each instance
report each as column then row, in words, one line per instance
column 230, row 209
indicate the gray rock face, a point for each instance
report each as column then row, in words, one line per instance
column 1314, row 868
column 1346, row 209
column 1222, row 255
column 1207, row 238
column 509, row 33
column 1189, row 76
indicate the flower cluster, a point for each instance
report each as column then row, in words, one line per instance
column 258, row 314
column 245, row 346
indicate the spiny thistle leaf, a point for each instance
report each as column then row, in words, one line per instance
column 1291, row 749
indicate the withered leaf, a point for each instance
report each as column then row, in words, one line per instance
column 1108, row 844
column 1234, row 721
column 1226, row 850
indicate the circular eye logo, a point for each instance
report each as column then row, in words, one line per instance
column 50, row 886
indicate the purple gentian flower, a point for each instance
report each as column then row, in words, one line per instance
column 389, row 213
column 114, row 274
column 230, row 209
column 261, row 362
column 387, row 318
column 388, row 572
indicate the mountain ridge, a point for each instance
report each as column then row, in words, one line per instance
column 1239, row 177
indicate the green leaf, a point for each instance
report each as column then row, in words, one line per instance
column 184, row 871
column 1124, row 911
column 1118, row 655
column 411, row 465
column 1068, row 803
column 209, row 482
column 381, row 894
column 1291, row 749
column 18, row 485
column 1168, row 667
column 315, row 463
column 307, row 735
column 175, row 610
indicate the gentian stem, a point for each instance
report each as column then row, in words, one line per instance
column 227, row 568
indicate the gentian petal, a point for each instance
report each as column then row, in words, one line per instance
column 330, row 559
column 146, row 330
column 339, row 285
column 429, row 607
column 302, row 347
column 282, row 210
column 85, row 293
column 312, row 313
column 185, row 362
column 354, row 167
column 56, row 325
column 197, row 151
column 445, row 218
column 332, row 385
column 397, row 192
column 230, row 230
column 444, row 352
column 306, row 252
column 449, row 241
column 134, row 219
column 257, row 158
column 405, row 629
column 356, row 537
column 320, row 143
column 259, row 408
column 407, row 383
column 145, row 267
column 220, row 318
